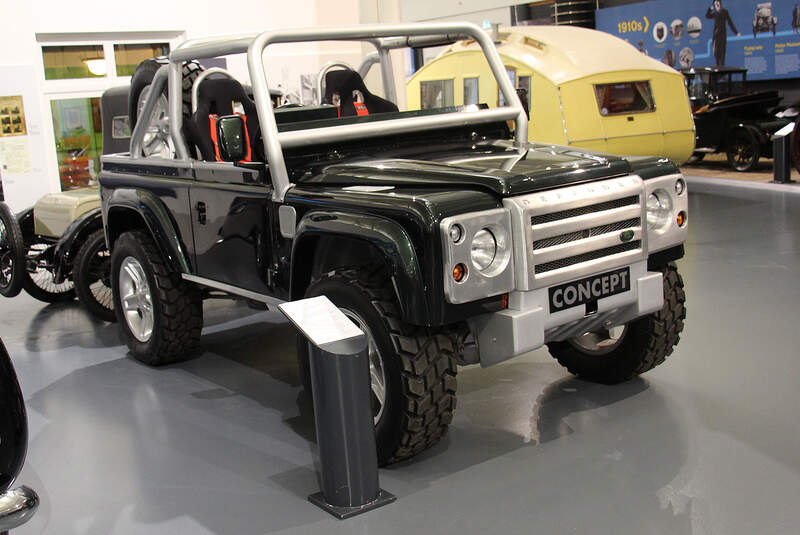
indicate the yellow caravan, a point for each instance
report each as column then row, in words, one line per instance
column 585, row 88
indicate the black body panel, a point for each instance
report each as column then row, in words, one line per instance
column 13, row 424
column 388, row 192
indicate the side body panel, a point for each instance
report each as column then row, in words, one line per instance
column 233, row 227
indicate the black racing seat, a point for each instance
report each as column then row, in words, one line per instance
column 348, row 84
column 216, row 96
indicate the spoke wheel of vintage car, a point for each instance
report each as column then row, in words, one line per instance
column 40, row 282
column 743, row 150
column 12, row 254
column 619, row 354
column 696, row 157
column 412, row 369
column 92, row 275
column 160, row 315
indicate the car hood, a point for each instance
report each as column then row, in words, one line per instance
column 500, row 168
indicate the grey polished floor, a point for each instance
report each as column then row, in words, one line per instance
column 708, row 443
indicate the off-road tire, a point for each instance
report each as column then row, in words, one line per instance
column 14, row 253
column 143, row 76
column 419, row 363
column 177, row 305
column 646, row 344
column 85, row 273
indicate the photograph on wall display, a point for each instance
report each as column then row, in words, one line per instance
column 12, row 116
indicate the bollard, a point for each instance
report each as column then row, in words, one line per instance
column 782, row 155
column 342, row 408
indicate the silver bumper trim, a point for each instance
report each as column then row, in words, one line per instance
column 17, row 507
column 528, row 324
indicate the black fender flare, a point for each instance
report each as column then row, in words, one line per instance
column 26, row 224
column 388, row 238
column 157, row 221
column 69, row 243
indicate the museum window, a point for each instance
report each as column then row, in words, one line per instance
column 127, row 57
column 73, row 61
column 436, row 94
column 624, row 98
column 76, row 73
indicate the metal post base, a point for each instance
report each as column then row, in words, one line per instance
column 342, row 512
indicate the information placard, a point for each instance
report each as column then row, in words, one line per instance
column 763, row 37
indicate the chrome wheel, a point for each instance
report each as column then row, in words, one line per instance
column 600, row 342
column 137, row 303
column 377, row 376
column 156, row 141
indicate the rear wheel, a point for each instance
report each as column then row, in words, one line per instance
column 160, row 315
column 92, row 275
column 619, row 353
column 40, row 281
column 743, row 150
column 412, row 369
column 12, row 254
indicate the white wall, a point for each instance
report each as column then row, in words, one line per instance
column 461, row 10
column 198, row 18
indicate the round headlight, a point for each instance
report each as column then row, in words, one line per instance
column 483, row 249
column 659, row 208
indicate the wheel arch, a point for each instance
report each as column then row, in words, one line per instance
column 326, row 240
column 129, row 209
column 67, row 247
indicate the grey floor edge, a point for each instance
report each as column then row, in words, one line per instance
column 707, row 443
column 701, row 183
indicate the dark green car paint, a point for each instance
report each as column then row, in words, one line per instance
column 426, row 179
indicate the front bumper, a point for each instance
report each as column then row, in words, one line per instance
column 528, row 324
column 17, row 507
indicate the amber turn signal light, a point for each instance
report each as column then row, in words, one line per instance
column 681, row 219
column 459, row 272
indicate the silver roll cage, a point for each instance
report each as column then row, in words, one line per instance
column 384, row 37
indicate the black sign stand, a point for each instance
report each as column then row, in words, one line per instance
column 342, row 408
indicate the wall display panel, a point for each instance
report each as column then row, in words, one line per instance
column 763, row 37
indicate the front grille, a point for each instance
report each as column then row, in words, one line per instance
column 587, row 257
column 576, row 231
column 583, row 210
column 588, row 233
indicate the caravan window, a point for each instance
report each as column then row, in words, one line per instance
column 436, row 94
column 624, row 98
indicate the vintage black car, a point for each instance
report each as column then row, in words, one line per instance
column 728, row 118
column 442, row 233
column 56, row 249
column 17, row 506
